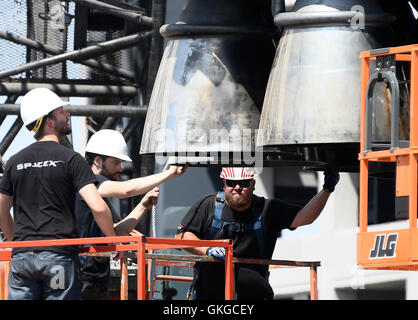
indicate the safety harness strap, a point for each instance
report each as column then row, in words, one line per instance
column 256, row 224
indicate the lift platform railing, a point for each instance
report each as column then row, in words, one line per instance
column 169, row 243
column 389, row 249
column 126, row 243
column 139, row 245
column 5, row 251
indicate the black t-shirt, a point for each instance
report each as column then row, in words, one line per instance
column 276, row 216
column 43, row 179
column 86, row 225
column 93, row 269
column 251, row 279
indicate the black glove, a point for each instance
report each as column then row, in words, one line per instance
column 330, row 180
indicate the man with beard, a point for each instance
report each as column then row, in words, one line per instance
column 105, row 151
column 253, row 223
column 40, row 182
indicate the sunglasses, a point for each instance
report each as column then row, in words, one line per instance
column 242, row 183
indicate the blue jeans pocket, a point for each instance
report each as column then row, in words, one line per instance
column 17, row 271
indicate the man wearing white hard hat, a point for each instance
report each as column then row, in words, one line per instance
column 254, row 223
column 105, row 151
column 40, row 182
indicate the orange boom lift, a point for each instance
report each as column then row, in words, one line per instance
column 389, row 249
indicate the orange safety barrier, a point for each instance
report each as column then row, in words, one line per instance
column 184, row 261
column 5, row 252
column 169, row 243
column 4, row 272
column 389, row 249
column 132, row 243
column 140, row 245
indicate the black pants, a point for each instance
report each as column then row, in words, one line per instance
column 250, row 284
column 91, row 291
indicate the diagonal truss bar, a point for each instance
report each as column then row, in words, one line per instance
column 10, row 99
column 110, row 122
column 139, row 18
column 81, row 54
column 55, row 51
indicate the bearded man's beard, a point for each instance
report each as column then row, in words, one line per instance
column 238, row 201
column 64, row 130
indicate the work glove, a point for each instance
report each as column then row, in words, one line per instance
column 331, row 179
column 216, row 252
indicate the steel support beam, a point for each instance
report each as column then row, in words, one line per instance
column 156, row 50
column 9, row 100
column 69, row 90
column 88, row 110
column 81, row 54
column 56, row 51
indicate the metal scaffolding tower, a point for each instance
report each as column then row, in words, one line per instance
column 107, row 51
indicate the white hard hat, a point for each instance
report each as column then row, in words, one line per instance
column 238, row 173
column 38, row 103
column 109, row 143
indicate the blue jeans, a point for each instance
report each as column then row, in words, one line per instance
column 44, row 275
